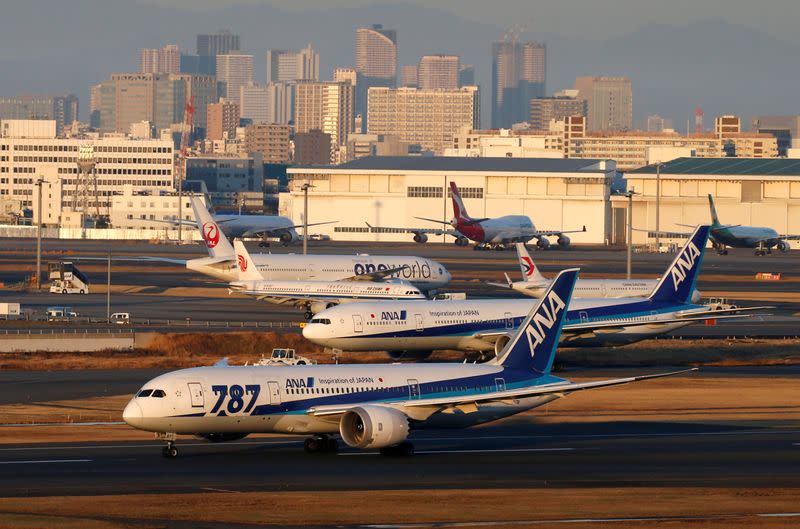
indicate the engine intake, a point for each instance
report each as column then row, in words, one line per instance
column 543, row 243
column 420, row 238
column 784, row 246
column 563, row 242
column 499, row 344
column 319, row 306
column 373, row 427
column 286, row 238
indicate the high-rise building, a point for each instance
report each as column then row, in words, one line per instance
column 223, row 118
column 312, row 148
column 428, row 118
column 233, row 72
column 609, row 102
column 208, row 47
column 519, row 74
column 284, row 65
column 345, row 75
column 270, row 140
column 325, row 106
column 376, row 61
column 563, row 104
column 466, row 75
column 62, row 109
column 438, row 72
column 254, row 103
column 280, row 102
column 409, row 75
column 160, row 60
column 204, row 90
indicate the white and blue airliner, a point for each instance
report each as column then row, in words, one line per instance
column 369, row 406
column 414, row 328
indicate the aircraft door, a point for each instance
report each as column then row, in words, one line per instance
column 274, row 392
column 196, row 394
column 311, row 271
column 500, row 384
column 584, row 316
column 509, row 320
column 413, row 388
column 420, row 325
column 358, row 323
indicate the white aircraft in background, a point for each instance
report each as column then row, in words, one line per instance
column 534, row 284
column 487, row 233
column 487, row 324
column 314, row 296
column 425, row 274
column 369, row 406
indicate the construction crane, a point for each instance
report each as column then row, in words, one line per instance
column 180, row 159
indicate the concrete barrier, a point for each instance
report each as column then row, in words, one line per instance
column 65, row 342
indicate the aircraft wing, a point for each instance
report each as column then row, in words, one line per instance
column 174, row 222
column 426, row 231
column 665, row 234
column 139, row 259
column 549, row 233
column 468, row 402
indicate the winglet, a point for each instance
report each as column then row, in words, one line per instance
column 530, row 273
column 533, row 347
column 247, row 268
column 216, row 242
column 678, row 282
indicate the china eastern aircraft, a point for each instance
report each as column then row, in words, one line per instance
column 369, row 406
column 724, row 236
column 487, row 233
column 313, row 296
column 416, row 328
column 534, row 283
column 425, row 274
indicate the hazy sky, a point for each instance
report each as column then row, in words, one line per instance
column 590, row 18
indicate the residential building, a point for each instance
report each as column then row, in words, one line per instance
column 609, row 102
column 345, row 75
column 312, row 148
column 233, row 72
column 727, row 126
column 519, row 74
column 506, row 143
column 562, row 105
column 231, row 180
column 438, row 72
column 160, row 60
column 62, row 109
column 409, row 75
column 254, row 103
column 326, row 106
column 271, row 141
column 428, row 118
column 223, row 118
column 285, row 65
column 280, row 102
column 376, row 62
column 363, row 145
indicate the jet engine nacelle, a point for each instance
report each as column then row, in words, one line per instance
column 416, row 356
column 784, row 246
column 462, row 241
column 543, row 243
column 499, row 344
column 319, row 306
column 373, row 427
column 420, row 238
column 286, row 238
column 563, row 242
column 222, row 437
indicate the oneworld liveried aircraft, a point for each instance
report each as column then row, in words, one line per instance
column 313, row 296
column 369, row 406
column 487, row 324
column 425, row 274
column 497, row 233
column 534, row 283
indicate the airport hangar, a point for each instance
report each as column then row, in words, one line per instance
column 747, row 191
column 386, row 191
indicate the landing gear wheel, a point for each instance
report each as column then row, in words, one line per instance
column 404, row 449
column 500, row 248
column 320, row 444
column 263, row 244
column 308, row 315
column 170, row 451
column 64, row 291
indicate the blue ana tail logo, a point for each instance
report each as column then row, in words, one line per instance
column 543, row 320
column 677, row 283
column 683, row 264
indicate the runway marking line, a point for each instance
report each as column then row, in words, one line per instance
column 212, row 489
column 39, row 461
column 468, row 451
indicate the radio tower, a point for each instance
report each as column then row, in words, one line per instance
column 86, row 187
column 180, row 160
column 698, row 120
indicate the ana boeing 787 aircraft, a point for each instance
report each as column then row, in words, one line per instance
column 370, row 406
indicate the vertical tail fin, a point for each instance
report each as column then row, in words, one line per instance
column 677, row 283
column 459, row 211
column 247, row 268
column 714, row 218
column 216, row 242
column 533, row 347
column 530, row 273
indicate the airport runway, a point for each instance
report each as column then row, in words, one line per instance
column 516, row 453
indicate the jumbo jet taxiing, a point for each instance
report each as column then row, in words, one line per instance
column 534, row 283
column 370, row 406
column 497, row 233
column 415, row 328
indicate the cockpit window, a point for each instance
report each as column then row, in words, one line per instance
column 145, row 393
column 159, row 393
column 323, row 321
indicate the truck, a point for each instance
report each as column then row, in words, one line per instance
column 9, row 310
column 67, row 279
column 60, row 314
column 283, row 356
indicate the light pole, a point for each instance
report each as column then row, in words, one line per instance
column 39, row 182
column 108, row 289
column 658, row 206
column 630, row 194
column 305, row 189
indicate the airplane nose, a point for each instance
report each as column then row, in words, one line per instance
column 132, row 414
column 310, row 331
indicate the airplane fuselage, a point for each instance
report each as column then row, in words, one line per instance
column 234, row 226
column 745, row 236
column 510, row 228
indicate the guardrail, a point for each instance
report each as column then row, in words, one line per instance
column 80, row 325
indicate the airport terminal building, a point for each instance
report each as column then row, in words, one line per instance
column 390, row 193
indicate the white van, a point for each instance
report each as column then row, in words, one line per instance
column 121, row 318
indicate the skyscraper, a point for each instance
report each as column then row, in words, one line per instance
column 438, row 72
column 519, row 72
column 409, row 75
column 283, row 65
column 376, row 61
column 160, row 60
column 208, row 47
column 233, row 72
column 609, row 102
column 223, row 117
column 254, row 103
column 563, row 105
column 62, row 109
column 325, row 106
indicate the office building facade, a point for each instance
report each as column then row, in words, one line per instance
column 519, row 74
column 438, row 72
column 160, row 60
column 285, row 65
column 609, row 102
column 271, row 141
column 62, row 109
column 376, row 62
column 233, row 72
column 545, row 109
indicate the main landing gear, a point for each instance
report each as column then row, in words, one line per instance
column 490, row 246
column 404, row 449
column 762, row 250
column 321, row 444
